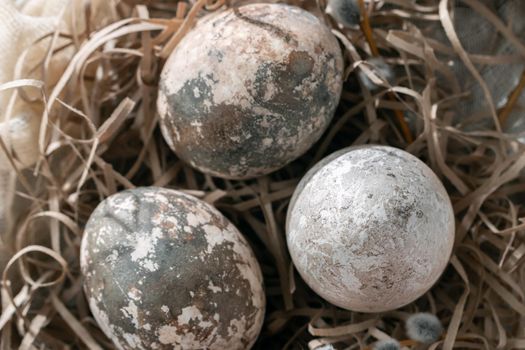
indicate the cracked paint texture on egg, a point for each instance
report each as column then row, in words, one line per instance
column 370, row 228
column 164, row 270
column 250, row 89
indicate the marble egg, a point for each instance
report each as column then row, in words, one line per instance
column 370, row 228
column 164, row 270
column 250, row 89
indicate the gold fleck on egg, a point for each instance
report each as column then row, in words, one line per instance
column 164, row 270
column 370, row 228
column 250, row 89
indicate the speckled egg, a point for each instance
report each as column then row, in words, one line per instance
column 370, row 228
column 164, row 270
column 250, row 89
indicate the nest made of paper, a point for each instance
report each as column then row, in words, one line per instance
column 455, row 102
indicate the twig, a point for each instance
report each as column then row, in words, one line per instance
column 367, row 31
column 505, row 111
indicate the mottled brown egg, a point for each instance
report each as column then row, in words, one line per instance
column 164, row 270
column 250, row 89
column 370, row 228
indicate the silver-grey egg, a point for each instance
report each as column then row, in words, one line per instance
column 164, row 270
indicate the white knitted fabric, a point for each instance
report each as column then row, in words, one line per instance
column 18, row 30
column 22, row 23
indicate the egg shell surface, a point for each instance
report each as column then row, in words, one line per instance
column 250, row 89
column 165, row 270
column 370, row 228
